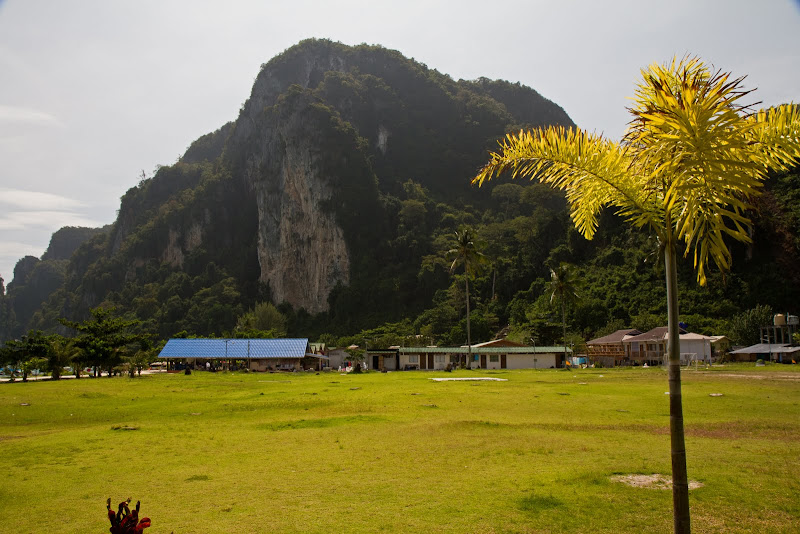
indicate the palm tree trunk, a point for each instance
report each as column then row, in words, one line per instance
column 680, row 481
column 564, row 325
column 494, row 279
column 469, row 339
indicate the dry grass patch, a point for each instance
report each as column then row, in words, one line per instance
column 654, row 481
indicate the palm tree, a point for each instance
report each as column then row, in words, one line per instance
column 466, row 252
column 691, row 159
column 63, row 353
column 564, row 288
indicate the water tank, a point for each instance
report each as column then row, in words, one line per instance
column 793, row 319
column 779, row 319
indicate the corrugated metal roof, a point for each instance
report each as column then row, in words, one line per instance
column 236, row 348
column 615, row 337
column 658, row 333
column 767, row 348
column 483, row 350
column 192, row 348
column 497, row 343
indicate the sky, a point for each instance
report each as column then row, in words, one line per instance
column 95, row 92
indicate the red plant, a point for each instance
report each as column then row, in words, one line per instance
column 125, row 521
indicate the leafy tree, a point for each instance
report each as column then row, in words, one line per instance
column 9, row 359
column 564, row 289
column 690, row 161
column 646, row 321
column 611, row 327
column 466, row 252
column 104, row 338
column 32, row 364
column 263, row 316
column 745, row 328
column 31, row 351
column 139, row 360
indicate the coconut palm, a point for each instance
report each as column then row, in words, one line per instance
column 466, row 252
column 691, row 159
column 564, row 289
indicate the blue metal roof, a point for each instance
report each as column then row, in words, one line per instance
column 236, row 348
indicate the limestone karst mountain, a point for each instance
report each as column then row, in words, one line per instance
column 335, row 194
column 299, row 195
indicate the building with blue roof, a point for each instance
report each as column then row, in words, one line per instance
column 255, row 354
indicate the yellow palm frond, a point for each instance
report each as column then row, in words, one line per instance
column 688, row 121
column 775, row 133
column 592, row 171
column 688, row 166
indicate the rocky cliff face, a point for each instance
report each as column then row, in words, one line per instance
column 301, row 248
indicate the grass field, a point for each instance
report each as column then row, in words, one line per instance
column 397, row 452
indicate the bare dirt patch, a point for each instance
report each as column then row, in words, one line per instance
column 654, row 481
column 471, row 379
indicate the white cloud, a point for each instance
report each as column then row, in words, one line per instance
column 28, row 219
column 15, row 114
column 15, row 250
column 36, row 200
column 23, row 220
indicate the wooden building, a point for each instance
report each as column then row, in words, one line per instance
column 610, row 350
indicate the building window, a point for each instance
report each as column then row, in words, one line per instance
column 494, row 358
column 439, row 358
column 454, row 358
column 413, row 358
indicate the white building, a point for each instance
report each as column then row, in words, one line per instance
column 497, row 354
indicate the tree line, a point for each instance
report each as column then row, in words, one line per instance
column 104, row 342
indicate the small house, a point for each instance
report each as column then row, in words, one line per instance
column 497, row 354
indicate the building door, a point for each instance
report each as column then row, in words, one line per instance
column 423, row 360
column 376, row 362
column 430, row 362
column 483, row 361
column 502, row 361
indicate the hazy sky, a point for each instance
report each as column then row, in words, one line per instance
column 94, row 92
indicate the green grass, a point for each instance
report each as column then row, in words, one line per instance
column 241, row 453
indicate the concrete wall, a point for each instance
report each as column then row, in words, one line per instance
column 700, row 347
column 529, row 361
column 522, row 361
column 337, row 358
column 440, row 361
